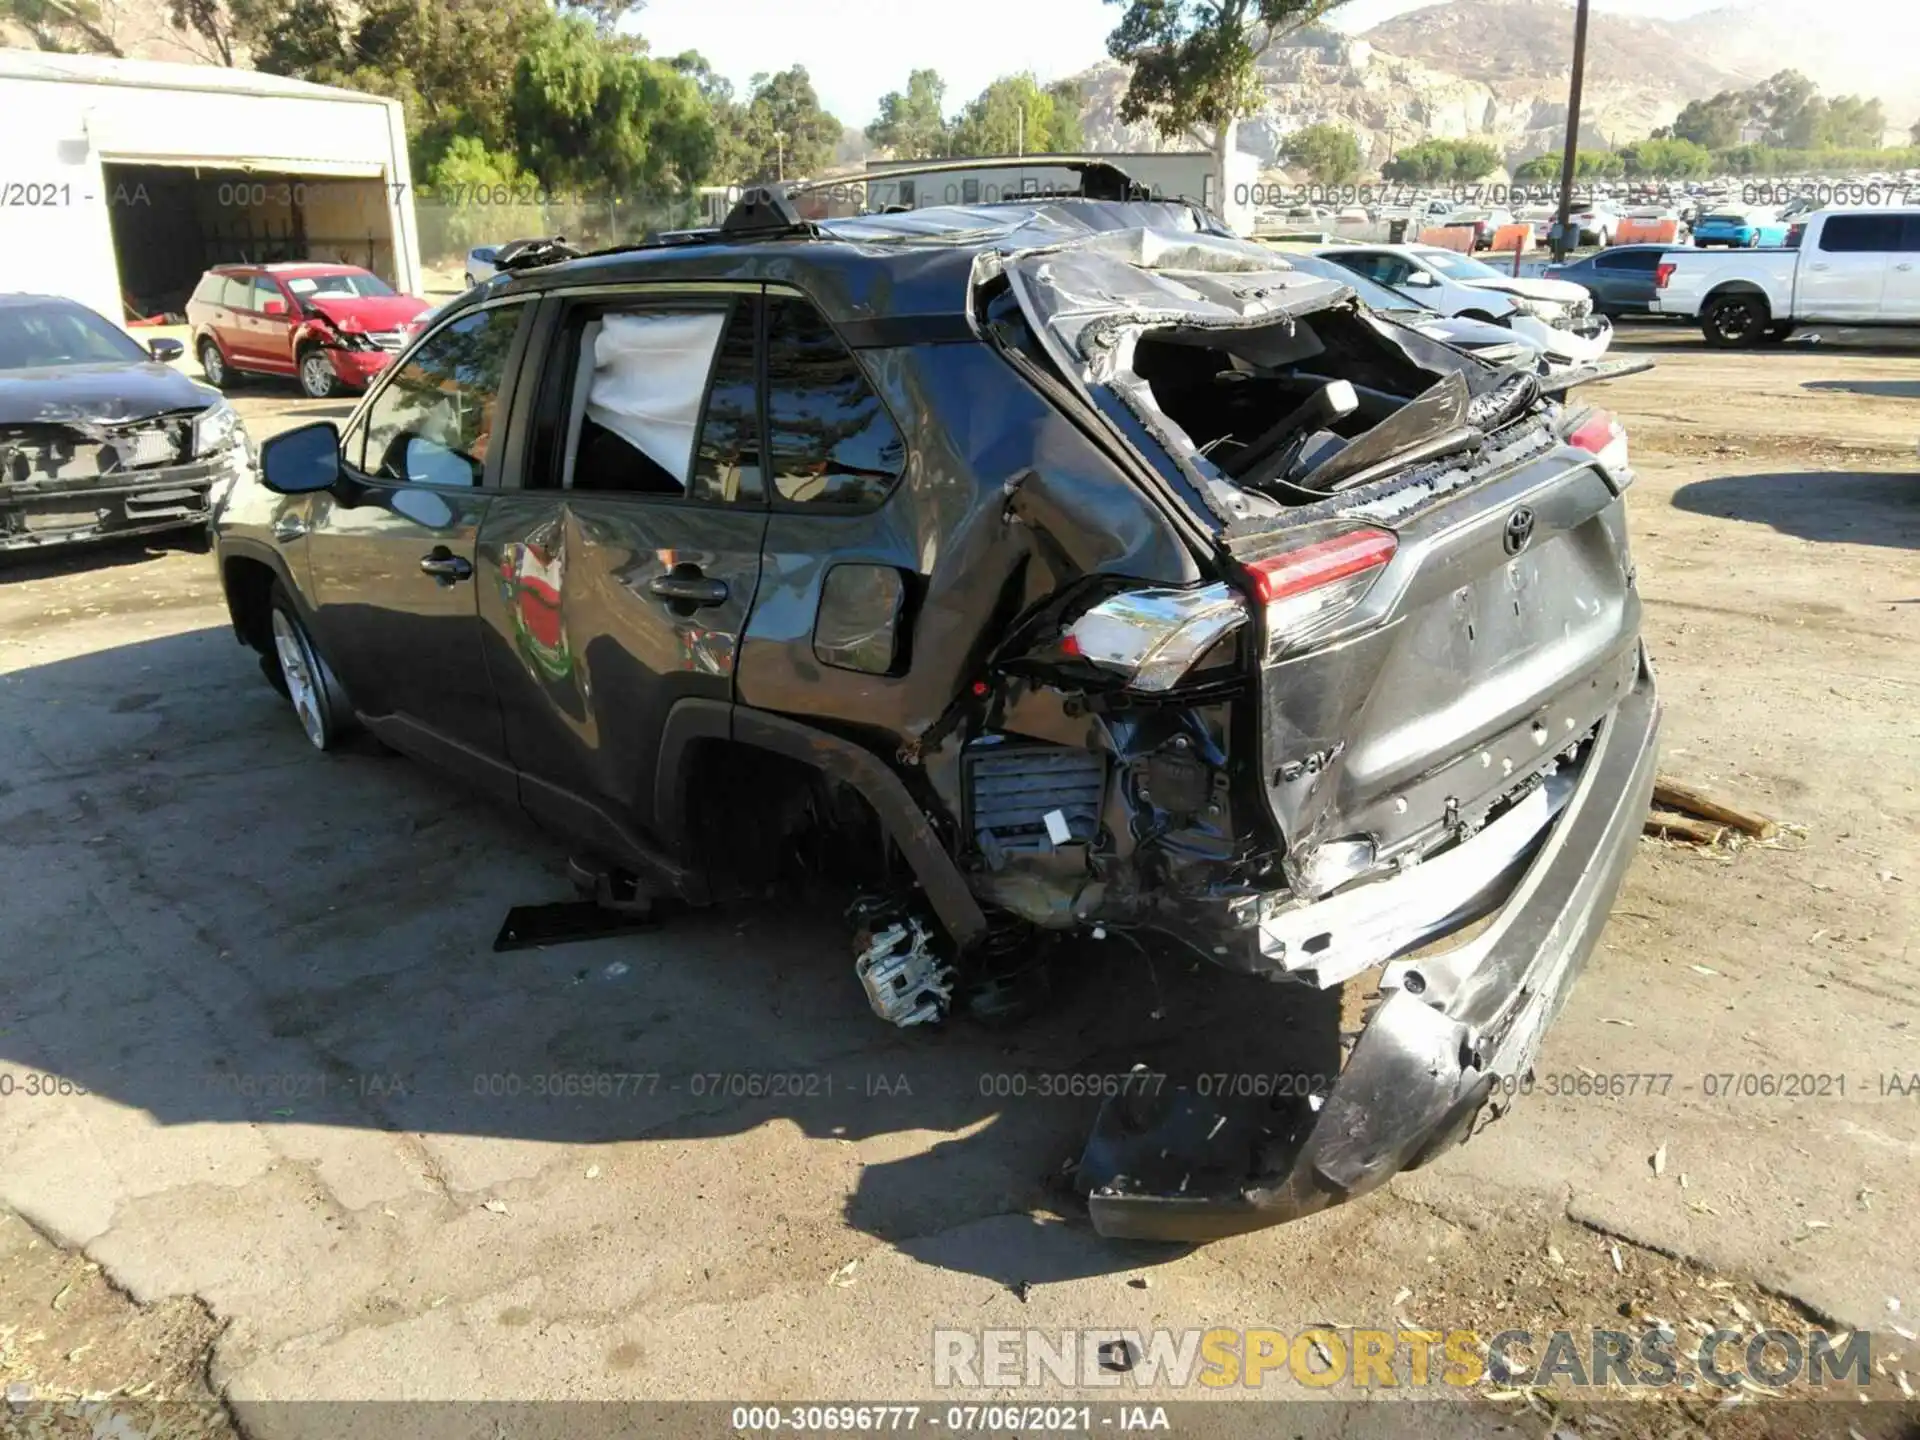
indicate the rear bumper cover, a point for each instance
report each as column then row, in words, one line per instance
column 1454, row 1026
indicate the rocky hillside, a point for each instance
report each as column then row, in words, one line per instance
column 1497, row 70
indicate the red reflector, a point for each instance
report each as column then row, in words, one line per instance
column 1312, row 566
column 1594, row 433
column 1662, row 273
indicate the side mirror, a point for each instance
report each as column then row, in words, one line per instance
column 274, row 307
column 1420, row 278
column 302, row 460
column 165, row 350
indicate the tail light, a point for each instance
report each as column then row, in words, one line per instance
column 1303, row 590
column 1662, row 273
column 1603, row 437
column 1154, row 637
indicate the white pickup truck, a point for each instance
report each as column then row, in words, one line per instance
column 1840, row 267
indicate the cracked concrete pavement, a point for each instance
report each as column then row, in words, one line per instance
column 311, row 1090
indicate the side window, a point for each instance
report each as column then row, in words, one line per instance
column 830, row 442
column 263, row 291
column 1910, row 233
column 432, row 421
column 1855, row 233
column 638, row 387
column 1638, row 261
column 1384, row 269
column 236, row 293
column 210, row 289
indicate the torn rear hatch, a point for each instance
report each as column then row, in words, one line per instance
column 1442, row 584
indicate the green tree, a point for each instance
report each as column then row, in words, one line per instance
column 1196, row 62
column 1853, row 121
column 911, row 124
column 1790, row 106
column 1540, row 170
column 590, row 113
column 782, row 131
column 1434, row 162
column 1330, row 154
column 1017, row 115
column 1915, row 132
column 1715, row 123
column 1666, row 159
column 68, row 26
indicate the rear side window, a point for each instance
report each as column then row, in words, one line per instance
column 830, row 441
column 236, row 292
column 210, row 288
column 644, row 374
column 1855, row 233
column 1910, row 232
column 1636, row 260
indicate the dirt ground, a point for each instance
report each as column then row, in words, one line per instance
column 275, row 1160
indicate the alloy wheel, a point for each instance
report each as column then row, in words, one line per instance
column 301, row 670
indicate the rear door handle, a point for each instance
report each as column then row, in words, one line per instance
column 689, row 588
column 1904, row 265
column 445, row 566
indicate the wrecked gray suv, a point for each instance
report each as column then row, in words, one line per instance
column 1060, row 565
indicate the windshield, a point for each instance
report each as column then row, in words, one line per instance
column 349, row 286
column 1459, row 267
column 34, row 337
column 1371, row 292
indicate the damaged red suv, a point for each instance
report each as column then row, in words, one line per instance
column 331, row 326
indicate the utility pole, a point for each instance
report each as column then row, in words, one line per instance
column 1568, row 156
column 1020, row 130
column 780, row 149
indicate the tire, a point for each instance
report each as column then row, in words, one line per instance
column 306, row 679
column 317, row 380
column 1734, row 320
column 213, row 365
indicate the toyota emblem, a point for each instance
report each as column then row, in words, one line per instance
column 1519, row 530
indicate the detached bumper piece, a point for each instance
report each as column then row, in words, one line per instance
column 1454, row 1025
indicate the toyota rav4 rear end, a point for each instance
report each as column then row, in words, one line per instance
column 1403, row 738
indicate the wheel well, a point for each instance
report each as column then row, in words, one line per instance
column 763, row 817
column 249, row 586
column 1737, row 287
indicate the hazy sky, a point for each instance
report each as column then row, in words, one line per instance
column 857, row 50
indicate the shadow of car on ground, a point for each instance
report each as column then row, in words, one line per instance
column 233, row 929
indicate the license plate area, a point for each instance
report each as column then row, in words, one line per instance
column 61, row 520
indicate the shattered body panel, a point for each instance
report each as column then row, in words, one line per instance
column 1204, row 602
column 90, row 452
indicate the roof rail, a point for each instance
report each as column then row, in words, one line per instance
column 528, row 254
column 1100, row 178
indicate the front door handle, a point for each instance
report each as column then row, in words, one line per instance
column 445, row 566
column 689, row 587
column 1904, row 265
